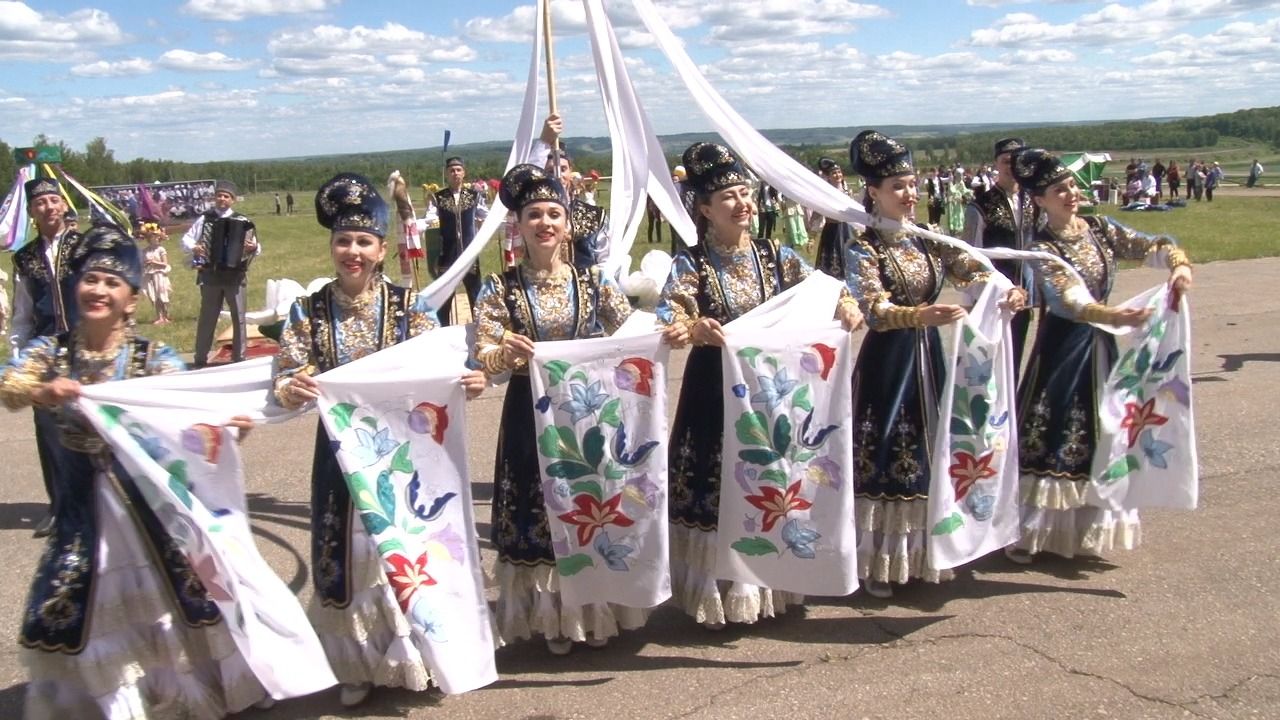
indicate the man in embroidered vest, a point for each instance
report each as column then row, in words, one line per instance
column 456, row 205
column 1000, row 216
column 44, row 303
column 221, row 243
column 587, row 229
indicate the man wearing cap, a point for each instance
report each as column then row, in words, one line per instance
column 44, row 302
column 221, row 244
column 1001, row 217
column 456, row 204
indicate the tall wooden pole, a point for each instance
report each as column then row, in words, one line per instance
column 551, row 81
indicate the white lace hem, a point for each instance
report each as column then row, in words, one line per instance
column 697, row 592
column 893, row 541
column 1056, row 518
column 529, row 603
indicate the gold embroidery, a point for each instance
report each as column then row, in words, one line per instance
column 60, row 611
column 1074, row 451
column 1032, row 445
column 904, row 469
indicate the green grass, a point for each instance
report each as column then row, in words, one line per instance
column 297, row 247
column 1229, row 228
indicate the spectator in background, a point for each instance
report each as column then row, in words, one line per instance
column 1157, row 173
column 288, row 202
column 655, row 220
column 1174, row 176
column 1211, row 181
column 1193, row 168
column 933, row 191
column 277, row 203
column 1255, row 172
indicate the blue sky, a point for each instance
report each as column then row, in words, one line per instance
column 230, row 79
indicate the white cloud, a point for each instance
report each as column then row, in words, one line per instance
column 113, row 68
column 233, row 10
column 339, row 50
column 1112, row 25
column 188, row 61
column 1041, row 56
column 28, row 34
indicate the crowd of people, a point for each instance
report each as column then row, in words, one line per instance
column 76, row 295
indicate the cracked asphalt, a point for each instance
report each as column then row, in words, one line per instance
column 1184, row 627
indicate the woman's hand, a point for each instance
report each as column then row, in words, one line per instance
column 939, row 315
column 56, row 392
column 516, row 348
column 1014, row 300
column 1179, row 283
column 676, row 335
column 707, row 332
column 474, row 383
column 850, row 316
column 243, row 423
column 1130, row 317
column 301, row 389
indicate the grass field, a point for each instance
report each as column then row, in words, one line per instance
column 295, row 246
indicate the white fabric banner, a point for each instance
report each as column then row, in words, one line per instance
column 441, row 290
column 786, row 486
column 973, row 493
column 600, row 413
column 1146, row 454
column 188, row 468
column 397, row 419
column 639, row 164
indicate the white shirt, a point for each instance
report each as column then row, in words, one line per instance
column 192, row 235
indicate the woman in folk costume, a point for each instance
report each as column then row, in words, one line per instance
column 725, row 275
column 1058, row 396
column 117, row 624
column 541, row 298
column 897, row 278
column 836, row 234
column 958, row 196
column 364, row 633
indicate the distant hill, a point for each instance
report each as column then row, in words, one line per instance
column 966, row 143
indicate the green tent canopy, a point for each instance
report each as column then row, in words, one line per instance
column 1087, row 166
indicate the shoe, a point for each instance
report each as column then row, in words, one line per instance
column 1018, row 555
column 878, row 589
column 714, row 626
column 597, row 642
column 352, row 694
column 559, row 646
column 265, row 703
column 44, row 528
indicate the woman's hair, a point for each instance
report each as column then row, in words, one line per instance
column 867, row 184
column 700, row 221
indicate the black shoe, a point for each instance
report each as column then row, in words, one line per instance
column 44, row 528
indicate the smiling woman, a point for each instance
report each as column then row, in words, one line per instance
column 542, row 298
column 354, row 610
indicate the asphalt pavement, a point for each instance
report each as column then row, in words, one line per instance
column 1188, row 625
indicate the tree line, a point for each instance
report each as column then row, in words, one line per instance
column 96, row 163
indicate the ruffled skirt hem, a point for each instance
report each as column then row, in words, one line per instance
column 711, row 601
column 893, row 543
column 529, row 603
column 1057, row 519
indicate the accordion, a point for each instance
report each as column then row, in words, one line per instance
column 226, row 243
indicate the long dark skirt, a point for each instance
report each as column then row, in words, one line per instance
column 697, row 437
column 831, row 248
column 895, row 381
column 520, row 531
column 62, row 600
column 330, row 525
column 1057, row 409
